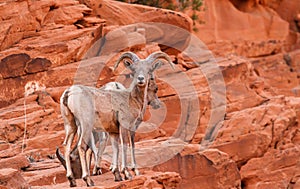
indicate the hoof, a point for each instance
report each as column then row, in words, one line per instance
column 127, row 174
column 97, row 171
column 128, row 177
column 111, row 167
column 136, row 171
column 118, row 176
column 72, row 181
column 88, row 181
column 118, row 179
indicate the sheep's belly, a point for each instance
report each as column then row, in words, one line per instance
column 106, row 121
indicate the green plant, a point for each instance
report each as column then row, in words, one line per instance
column 194, row 16
column 171, row 6
column 196, row 4
column 181, row 5
column 152, row 3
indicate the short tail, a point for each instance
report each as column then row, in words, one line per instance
column 65, row 97
column 65, row 111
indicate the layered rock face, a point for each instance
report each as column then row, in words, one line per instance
column 47, row 46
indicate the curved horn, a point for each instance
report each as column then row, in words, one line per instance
column 159, row 55
column 130, row 55
column 60, row 157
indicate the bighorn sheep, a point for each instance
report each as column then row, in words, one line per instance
column 117, row 112
column 102, row 137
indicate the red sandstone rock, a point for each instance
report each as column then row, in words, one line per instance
column 46, row 147
column 122, row 14
column 243, row 31
column 204, row 170
column 11, row 178
column 167, row 179
column 284, row 81
column 259, row 129
column 149, row 179
column 40, row 108
column 50, row 176
column 291, row 60
column 274, row 169
column 17, row 162
column 259, row 135
column 289, row 11
column 13, row 65
column 37, row 65
column 66, row 14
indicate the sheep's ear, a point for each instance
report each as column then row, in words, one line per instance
column 156, row 65
column 130, row 75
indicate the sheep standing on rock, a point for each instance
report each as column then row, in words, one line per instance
column 117, row 112
column 101, row 137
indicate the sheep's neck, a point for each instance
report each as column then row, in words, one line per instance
column 137, row 97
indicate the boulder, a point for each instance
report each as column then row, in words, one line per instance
column 12, row 178
column 274, row 169
column 203, row 169
column 44, row 177
column 17, row 162
column 250, row 133
column 122, row 14
column 13, row 65
column 37, row 65
column 251, row 29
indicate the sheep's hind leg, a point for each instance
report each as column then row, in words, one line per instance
column 67, row 143
column 115, row 147
column 103, row 138
column 82, row 148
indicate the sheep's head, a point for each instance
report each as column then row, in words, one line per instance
column 75, row 162
column 152, row 98
column 142, row 69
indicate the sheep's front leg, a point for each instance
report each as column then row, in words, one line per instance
column 115, row 148
column 124, row 144
column 89, row 158
column 132, row 146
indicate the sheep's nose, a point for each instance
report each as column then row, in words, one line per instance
column 140, row 78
